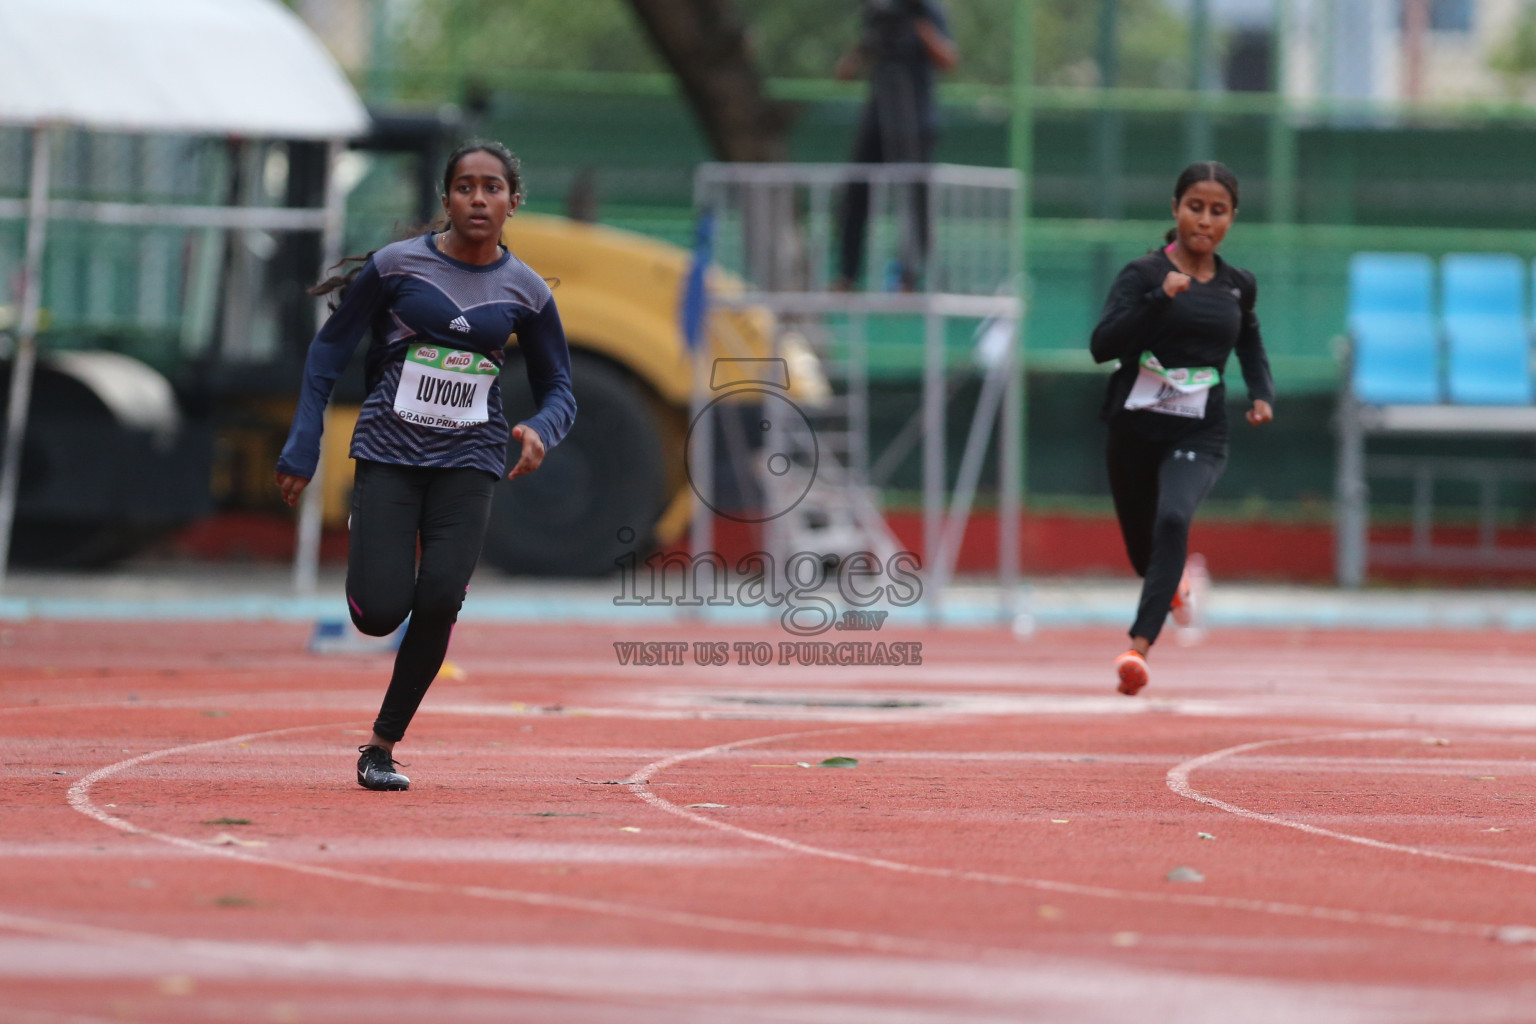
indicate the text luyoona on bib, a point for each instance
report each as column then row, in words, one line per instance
column 444, row 388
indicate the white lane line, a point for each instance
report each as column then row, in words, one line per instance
column 80, row 800
column 1178, row 781
column 711, row 985
column 401, row 850
column 1335, row 914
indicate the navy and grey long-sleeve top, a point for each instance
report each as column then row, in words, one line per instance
column 1201, row 327
column 439, row 332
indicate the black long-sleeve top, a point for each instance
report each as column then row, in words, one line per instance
column 1197, row 328
column 424, row 307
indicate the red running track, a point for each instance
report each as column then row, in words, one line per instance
column 588, row 842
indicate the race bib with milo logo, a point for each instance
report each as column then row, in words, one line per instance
column 444, row 388
column 1179, row 392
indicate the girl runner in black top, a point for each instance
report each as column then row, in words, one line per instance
column 1172, row 319
column 431, row 438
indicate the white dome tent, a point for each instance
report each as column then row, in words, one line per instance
column 233, row 68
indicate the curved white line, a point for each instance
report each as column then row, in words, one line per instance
column 1178, row 781
column 80, row 800
column 1335, row 914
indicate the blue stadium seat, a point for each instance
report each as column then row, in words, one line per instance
column 1488, row 354
column 1393, row 328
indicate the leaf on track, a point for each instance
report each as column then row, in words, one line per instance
column 1185, row 874
column 227, row 821
column 559, row 814
column 839, row 762
column 707, row 805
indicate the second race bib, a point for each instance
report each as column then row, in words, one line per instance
column 444, row 388
column 1180, row 392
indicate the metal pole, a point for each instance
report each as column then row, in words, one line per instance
column 1351, row 518
column 1202, row 136
column 700, row 457
column 1282, row 134
column 933, row 452
column 1415, row 26
column 993, row 388
column 25, row 361
column 1015, row 446
column 1108, row 141
column 306, row 557
column 1011, row 477
column 380, row 75
column 1282, row 177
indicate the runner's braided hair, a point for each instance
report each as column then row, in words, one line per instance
column 1204, row 170
column 510, row 165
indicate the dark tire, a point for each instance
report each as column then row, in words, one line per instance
column 597, row 495
column 83, row 545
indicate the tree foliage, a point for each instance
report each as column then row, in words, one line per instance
column 451, row 40
column 1514, row 59
column 441, row 43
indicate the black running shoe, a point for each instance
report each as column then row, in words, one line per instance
column 376, row 770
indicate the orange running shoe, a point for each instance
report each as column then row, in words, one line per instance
column 1132, row 669
column 1194, row 586
column 1183, row 607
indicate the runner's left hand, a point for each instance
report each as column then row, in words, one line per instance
column 1260, row 413
column 533, row 451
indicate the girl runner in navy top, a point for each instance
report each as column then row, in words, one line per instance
column 1172, row 319
column 431, row 439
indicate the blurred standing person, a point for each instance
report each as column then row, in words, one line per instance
column 431, row 439
column 1173, row 319
column 901, row 45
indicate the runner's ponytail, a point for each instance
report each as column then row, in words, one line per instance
column 340, row 282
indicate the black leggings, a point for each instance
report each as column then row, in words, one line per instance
column 877, row 142
column 393, row 506
column 1157, row 487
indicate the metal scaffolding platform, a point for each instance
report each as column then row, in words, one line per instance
column 939, row 243
column 1358, row 423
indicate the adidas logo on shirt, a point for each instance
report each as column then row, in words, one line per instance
column 459, row 324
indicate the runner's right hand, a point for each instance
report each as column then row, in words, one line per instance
column 291, row 486
column 1175, row 283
